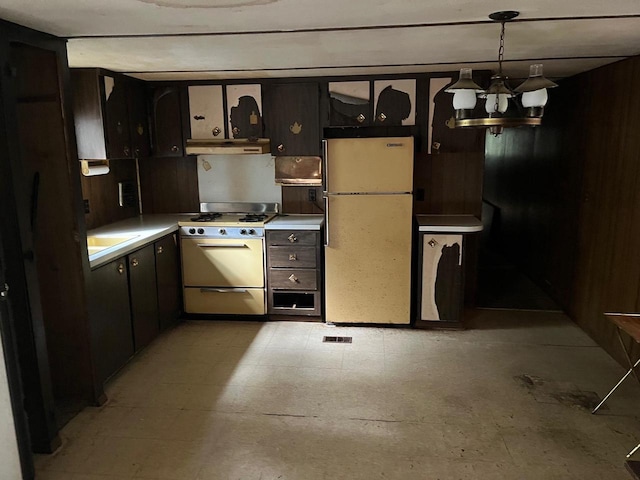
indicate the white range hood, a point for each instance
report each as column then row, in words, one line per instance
column 222, row 146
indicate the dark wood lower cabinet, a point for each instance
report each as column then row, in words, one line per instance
column 130, row 300
column 109, row 311
column 441, row 280
column 168, row 279
column 144, row 296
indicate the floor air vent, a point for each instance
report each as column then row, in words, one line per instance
column 337, row 339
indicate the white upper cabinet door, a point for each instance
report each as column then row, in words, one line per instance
column 244, row 111
column 395, row 102
column 206, row 111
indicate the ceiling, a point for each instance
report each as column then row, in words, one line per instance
column 219, row 39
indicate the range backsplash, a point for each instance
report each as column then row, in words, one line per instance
column 237, row 178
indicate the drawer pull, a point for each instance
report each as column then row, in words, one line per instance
column 293, row 278
column 292, row 238
column 293, row 257
column 223, row 290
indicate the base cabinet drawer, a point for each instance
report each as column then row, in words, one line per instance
column 292, row 257
column 232, row 301
column 292, row 237
column 294, row 302
column 293, row 279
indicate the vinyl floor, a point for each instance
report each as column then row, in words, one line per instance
column 507, row 398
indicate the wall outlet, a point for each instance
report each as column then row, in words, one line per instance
column 312, row 194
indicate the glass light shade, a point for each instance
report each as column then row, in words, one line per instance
column 465, row 82
column 503, row 103
column 464, row 100
column 537, row 98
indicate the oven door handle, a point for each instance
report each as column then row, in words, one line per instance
column 225, row 245
column 223, row 290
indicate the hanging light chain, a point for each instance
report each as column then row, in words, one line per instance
column 501, row 50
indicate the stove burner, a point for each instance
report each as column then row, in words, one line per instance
column 253, row 217
column 206, row 217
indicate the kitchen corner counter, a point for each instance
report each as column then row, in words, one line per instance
column 295, row 222
column 449, row 223
column 143, row 230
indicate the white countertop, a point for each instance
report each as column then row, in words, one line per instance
column 449, row 223
column 144, row 229
column 295, row 222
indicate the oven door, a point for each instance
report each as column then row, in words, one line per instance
column 222, row 262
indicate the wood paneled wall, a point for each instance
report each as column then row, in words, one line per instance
column 102, row 193
column 569, row 199
column 169, row 185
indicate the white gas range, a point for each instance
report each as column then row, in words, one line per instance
column 223, row 262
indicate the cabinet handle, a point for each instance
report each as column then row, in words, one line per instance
column 293, row 278
column 281, row 148
column 120, row 268
column 432, row 243
column 174, row 148
column 292, row 238
column 137, row 152
column 293, row 257
column 235, row 131
column 126, row 151
column 381, row 117
column 361, row 118
column 160, row 250
column 134, row 262
column 216, row 131
column 198, row 117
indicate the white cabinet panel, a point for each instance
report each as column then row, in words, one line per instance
column 206, row 111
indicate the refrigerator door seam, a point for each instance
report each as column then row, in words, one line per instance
column 329, row 194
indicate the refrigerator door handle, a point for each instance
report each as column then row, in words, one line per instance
column 325, row 173
column 325, row 197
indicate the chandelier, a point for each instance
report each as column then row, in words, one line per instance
column 530, row 106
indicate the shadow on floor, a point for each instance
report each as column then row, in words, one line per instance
column 502, row 285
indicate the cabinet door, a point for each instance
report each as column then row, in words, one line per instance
column 167, row 122
column 442, row 288
column 116, row 117
column 110, row 319
column 168, row 278
column 350, row 104
column 395, row 102
column 138, row 119
column 291, row 114
column 206, row 111
column 144, row 296
column 244, row 105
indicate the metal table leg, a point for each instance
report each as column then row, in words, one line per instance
column 631, row 370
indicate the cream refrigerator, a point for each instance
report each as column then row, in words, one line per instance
column 368, row 223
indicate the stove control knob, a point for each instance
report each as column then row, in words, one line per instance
column 243, row 232
column 222, row 231
column 192, row 231
column 201, row 231
column 252, row 231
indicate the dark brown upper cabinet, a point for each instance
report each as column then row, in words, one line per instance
column 166, row 120
column 350, row 104
column 292, row 118
column 109, row 109
column 138, row 118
